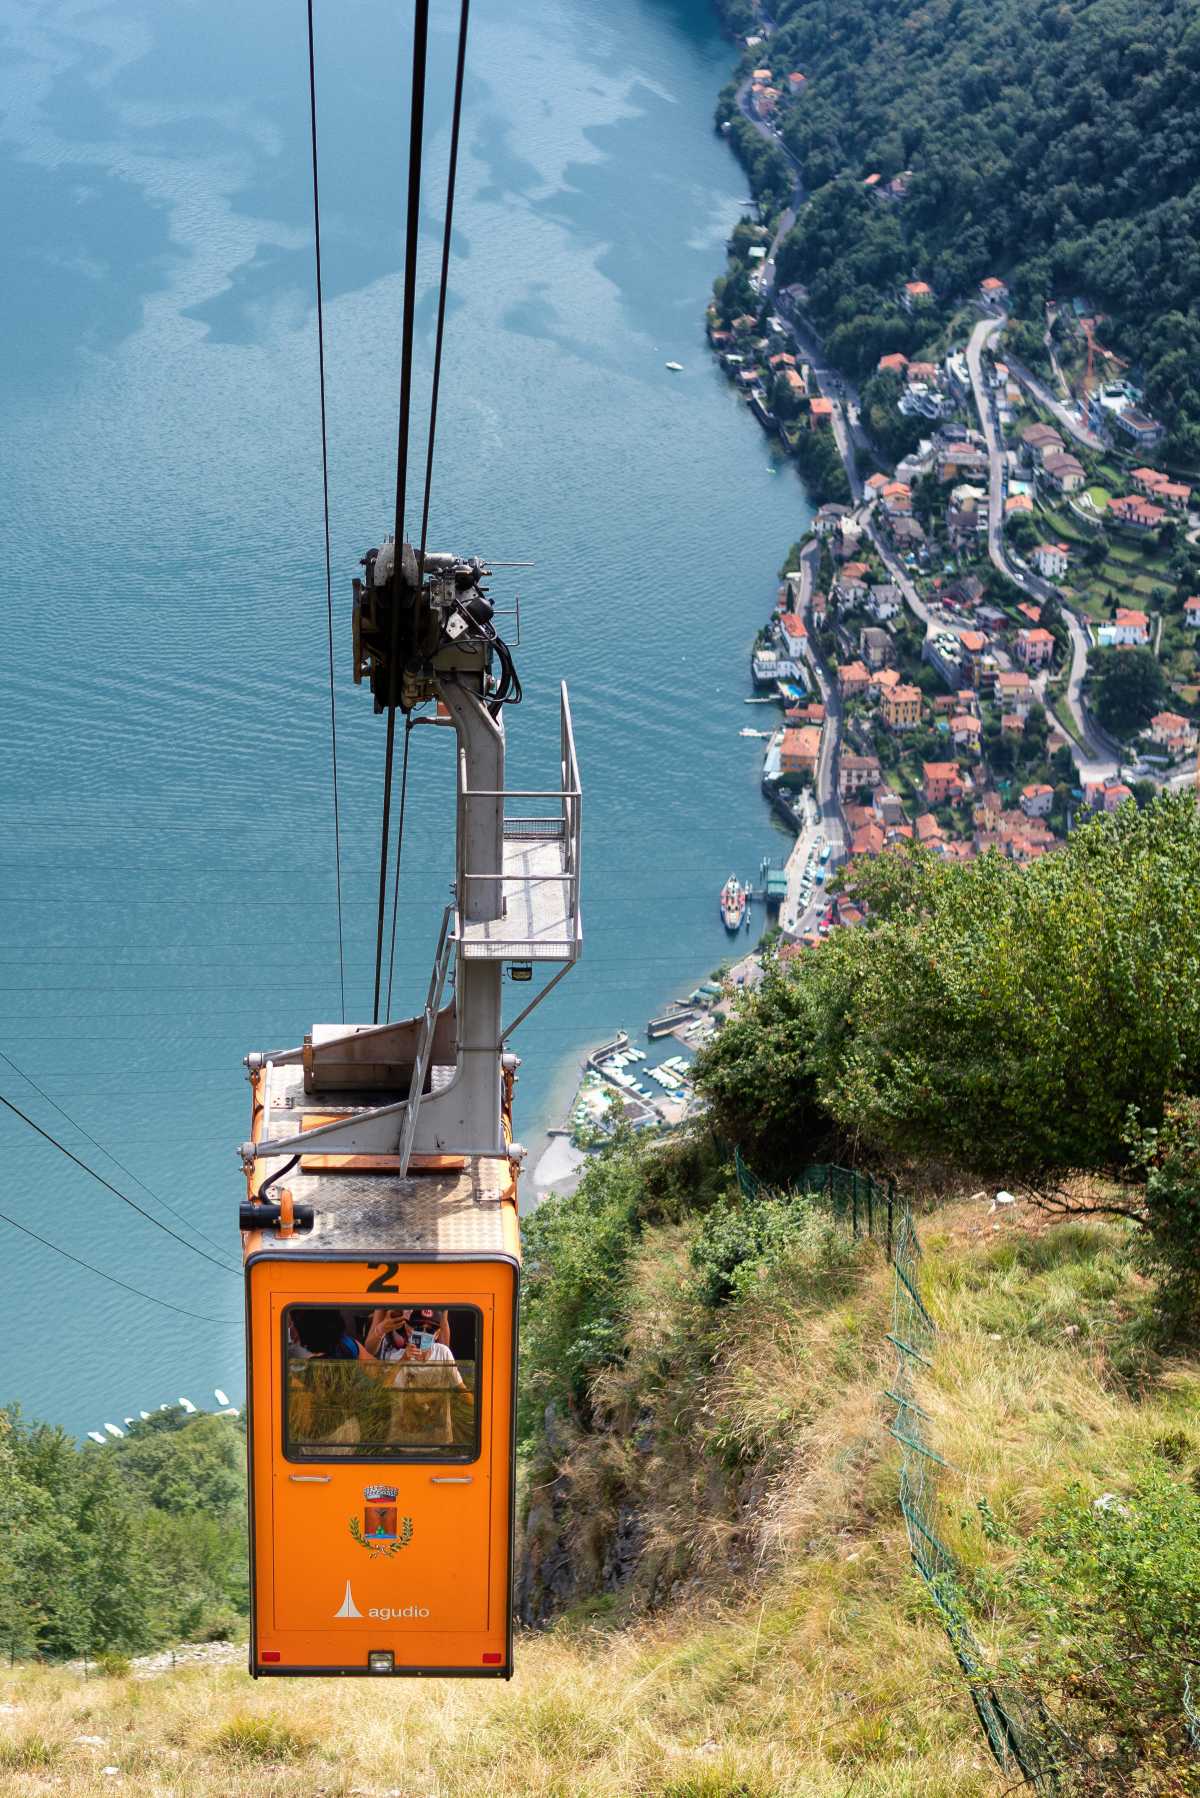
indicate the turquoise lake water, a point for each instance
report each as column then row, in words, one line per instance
column 166, row 868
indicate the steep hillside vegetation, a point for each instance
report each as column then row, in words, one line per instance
column 124, row 1547
column 713, row 1546
column 1055, row 144
column 1030, row 1022
column 715, row 1432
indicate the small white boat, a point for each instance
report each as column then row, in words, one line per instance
column 222, row 1398
column 145, row 1416
column 113, row 1430
column 188, row 1406
column 676, row 368
column 97, row 1437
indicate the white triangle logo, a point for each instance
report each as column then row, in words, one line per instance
column 348, row 1606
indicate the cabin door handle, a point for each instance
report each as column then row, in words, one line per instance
column 450, row 1479
column 311, row 1479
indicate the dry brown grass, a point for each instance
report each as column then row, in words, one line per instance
column 799, row 1657
column 778, row 1700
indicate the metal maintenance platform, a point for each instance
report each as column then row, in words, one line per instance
column 361, row 1204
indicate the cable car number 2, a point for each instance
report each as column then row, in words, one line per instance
column 381, row 1283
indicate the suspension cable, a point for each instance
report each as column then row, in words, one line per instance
column 451, row 175
column 116, row 1191
column 337, row 826
column 128, row 1172
column 112, row 1279
column 413, row 223
column 443, row 290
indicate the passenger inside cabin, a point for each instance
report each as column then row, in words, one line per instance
column 392, row 1329
column 425, row 1378
column 371, row 1383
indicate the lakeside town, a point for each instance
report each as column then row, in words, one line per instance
column 981, row 642
column 993, row 635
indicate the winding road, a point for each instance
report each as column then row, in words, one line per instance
column 1042, row 394
column 787, row 218
column 1093, row 752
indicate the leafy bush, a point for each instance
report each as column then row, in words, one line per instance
column 1110, row 1587
column 1000, row 1017
column 737, row 1244
column 576, row 1248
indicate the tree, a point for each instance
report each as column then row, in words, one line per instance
column 1023, row 531
column 1004, row 1018
column 1128, row 688
column 785, row 401
column 121, row 1547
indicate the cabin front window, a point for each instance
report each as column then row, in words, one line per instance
column 395, row 1383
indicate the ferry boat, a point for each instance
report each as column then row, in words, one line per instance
column 733, row 904
column 676, row 368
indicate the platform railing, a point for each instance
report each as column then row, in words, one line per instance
column 561, row 823
column 433, row 1001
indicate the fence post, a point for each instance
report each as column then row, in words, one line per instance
column 871, row 1205
column 854, row 1202
column 890, row 1198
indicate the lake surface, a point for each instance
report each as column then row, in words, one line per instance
column 166, row 866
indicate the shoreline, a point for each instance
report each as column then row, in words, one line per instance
column 560, row 1164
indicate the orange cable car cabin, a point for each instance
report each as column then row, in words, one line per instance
column 380, row 1235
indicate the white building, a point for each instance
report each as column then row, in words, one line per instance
column 1050, row 560
column 1128, row 630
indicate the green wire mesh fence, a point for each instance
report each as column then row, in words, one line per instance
column 1019, row 1731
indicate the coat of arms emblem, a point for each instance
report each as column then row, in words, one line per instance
column 378, row 1530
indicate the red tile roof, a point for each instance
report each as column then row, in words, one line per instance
column 1137, row 510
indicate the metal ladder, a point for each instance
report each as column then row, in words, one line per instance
column 433, row 1001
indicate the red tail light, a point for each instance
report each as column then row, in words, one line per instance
column 270, row 1654
column 492, row 1660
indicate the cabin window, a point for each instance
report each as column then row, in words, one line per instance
column 381, row 1385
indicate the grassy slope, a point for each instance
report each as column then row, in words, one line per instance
column 796, row 1654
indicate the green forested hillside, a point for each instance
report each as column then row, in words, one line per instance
column 1054, row 144
column 120, row 1548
